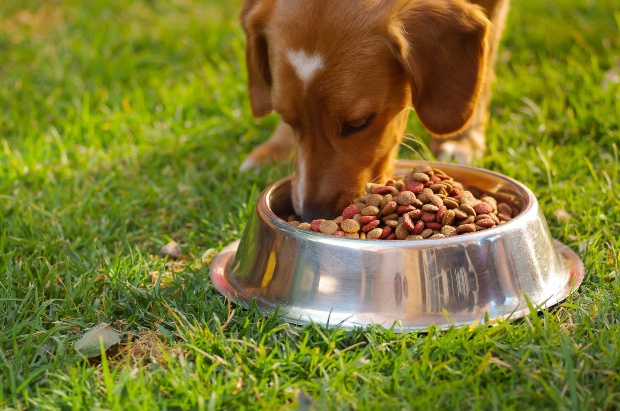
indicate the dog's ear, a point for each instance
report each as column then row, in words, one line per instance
column 442, row 46
column 254, row 17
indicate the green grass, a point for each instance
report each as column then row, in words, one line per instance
column 123, row 125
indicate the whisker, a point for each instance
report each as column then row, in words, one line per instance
column 425, row 154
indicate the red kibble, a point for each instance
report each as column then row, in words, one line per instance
column 414, row 186
column 419, row 227
column 391, row 236
column 405, row 209
column 455, row 192
column 365, row 219
column 371, row 225
column 442, row 177
column 408, row 223
column 435, row 179
column 387, row 230
column 486, row 223
column 483, row 208
column 349, row 212
column 434, row 225
column 428, row 217
column 315, row 225
column 339, row 233
column 441, row 212
column 383, row 190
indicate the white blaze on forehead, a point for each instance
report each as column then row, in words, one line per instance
column 305, row 65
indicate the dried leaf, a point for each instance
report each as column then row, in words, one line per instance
column 89, row 344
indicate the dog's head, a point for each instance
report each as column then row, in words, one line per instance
column 343, row 74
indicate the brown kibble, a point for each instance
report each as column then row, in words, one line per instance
column 374, row 200
column 469, row 220
column 374, row 234
column 468, row 198
column 438, row 235
column 401, row 232
column 490, row 201
column 423, row 169
column 448, row 217
column 458, row 213
column 504, row 217
column 350, row 226
column 370, row 210
column 415, row 214
column 392, row 216
column 405, row 198
column 468, row 209
column 450, row 203
column 386, row 200
column 436, row 200
column 304, row 226
column 420, row 177
column 328, row 227
column 503, row 208
column 389, row 208
column 448, row 231
column 426, row 233
column 391, row 223
column 351, row 235
column 465, row 228
column 370, row 187
column 424, row 196
column 430, row 207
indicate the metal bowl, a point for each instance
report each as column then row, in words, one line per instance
column 472, row 278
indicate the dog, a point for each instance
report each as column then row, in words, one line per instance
column 344, row 74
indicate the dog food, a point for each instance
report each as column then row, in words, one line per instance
column 427, row 203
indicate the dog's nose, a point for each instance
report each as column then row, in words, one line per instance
column 313, row 210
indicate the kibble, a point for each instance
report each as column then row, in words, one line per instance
column 426, row 204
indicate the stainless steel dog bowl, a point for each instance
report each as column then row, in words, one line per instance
column 478, row 277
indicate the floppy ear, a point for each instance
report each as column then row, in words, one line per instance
column 442, row 46
column 254, row 17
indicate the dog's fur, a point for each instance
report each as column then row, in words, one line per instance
column 343, row 75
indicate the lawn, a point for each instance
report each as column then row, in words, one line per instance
column 123, row 126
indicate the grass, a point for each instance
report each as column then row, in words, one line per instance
column 123, row 125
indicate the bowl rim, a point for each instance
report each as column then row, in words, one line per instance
column 530, row 203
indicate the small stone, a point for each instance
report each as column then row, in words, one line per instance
column 172, row 250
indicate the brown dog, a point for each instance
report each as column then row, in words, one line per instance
column 343, row 75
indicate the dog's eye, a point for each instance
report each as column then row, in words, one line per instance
column 354, row 126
